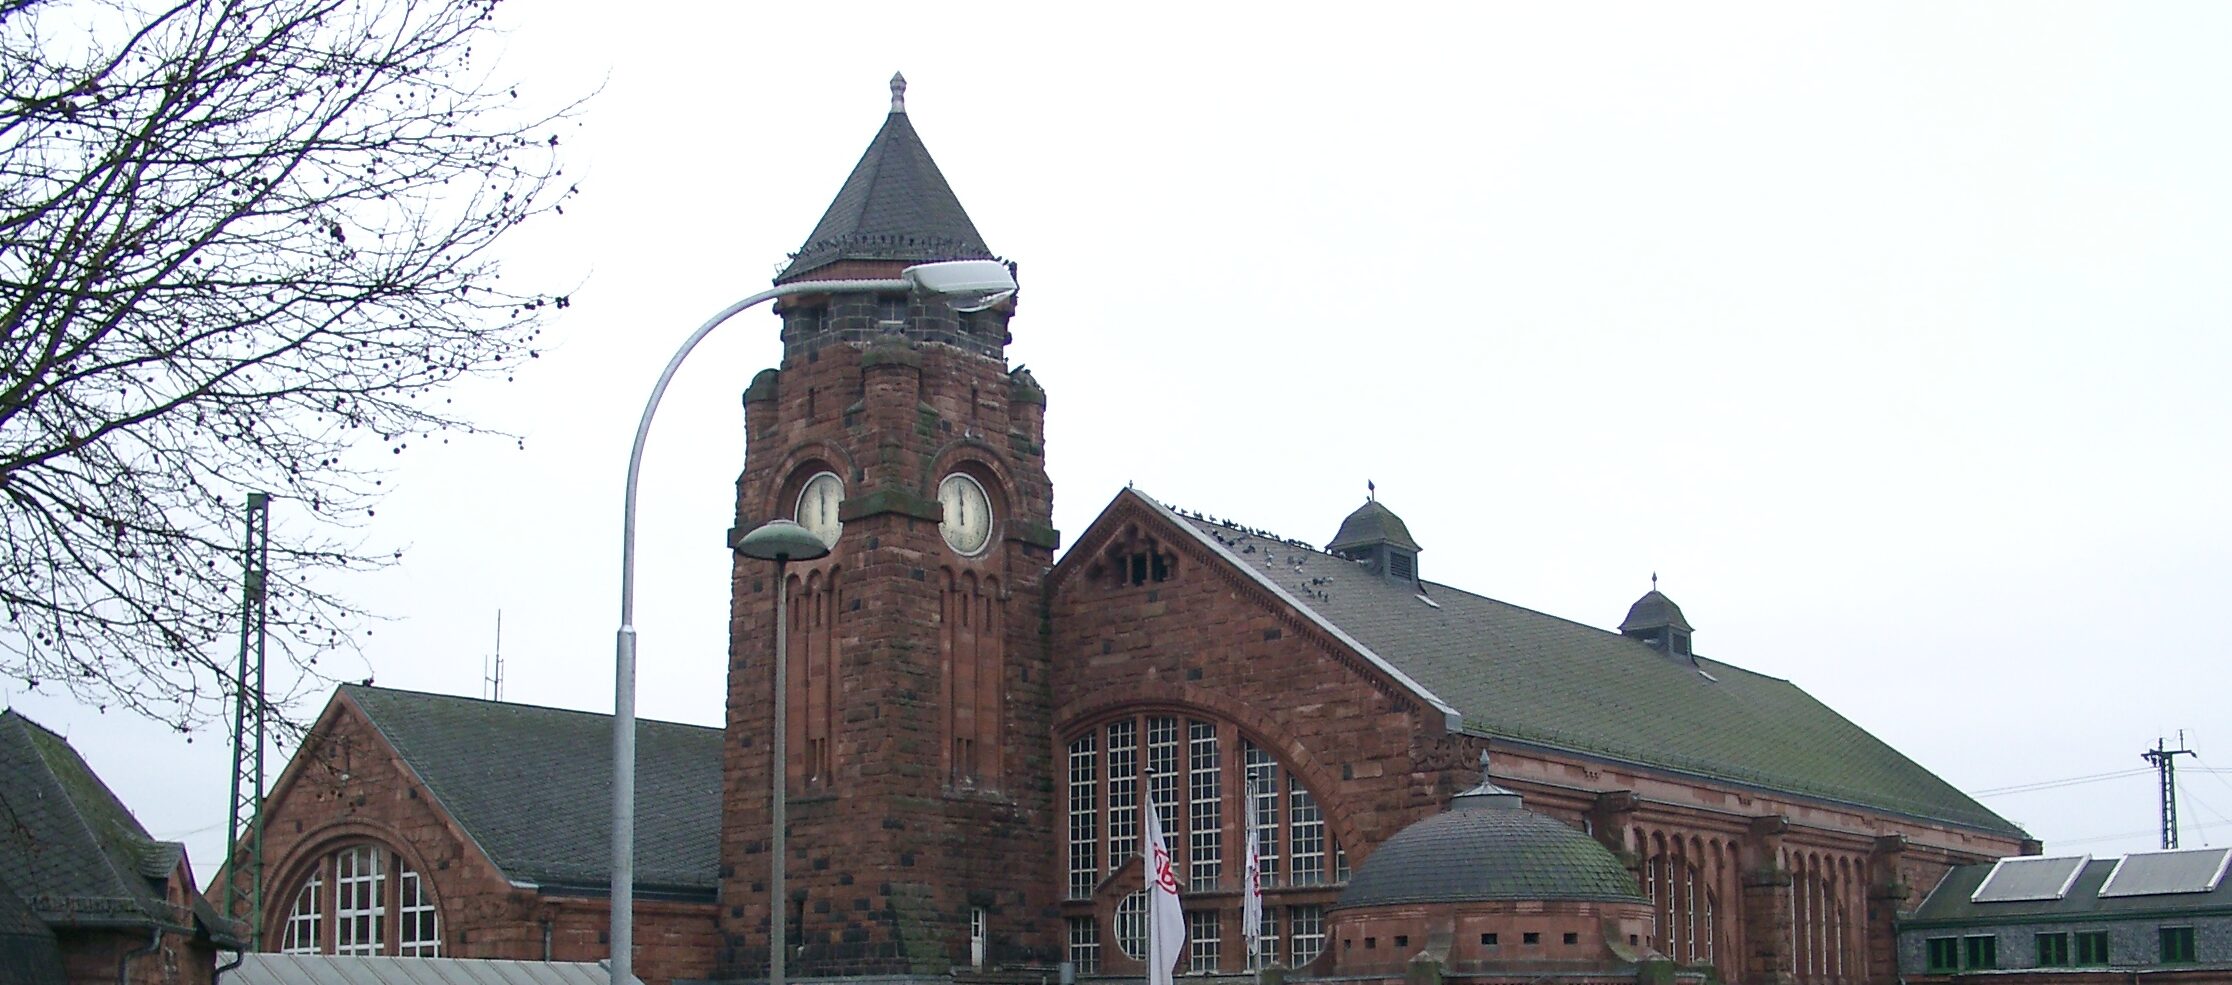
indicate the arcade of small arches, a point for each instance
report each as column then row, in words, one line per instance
column 1690, row 879
column 363, row 899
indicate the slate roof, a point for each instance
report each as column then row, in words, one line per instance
column 1948, row 904
column 1524, row 676
column 532, row 786
column 1488, row 853
column 70, row 850
column 896, row 205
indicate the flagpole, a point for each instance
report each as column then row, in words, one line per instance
column 1166, row 920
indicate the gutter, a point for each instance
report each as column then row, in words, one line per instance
column 124, row 961
column 217, row 975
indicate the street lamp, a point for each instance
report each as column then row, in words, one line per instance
column 967, row 285
column 780, row 541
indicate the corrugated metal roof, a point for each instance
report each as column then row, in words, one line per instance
column 338, row 969
column 2018, row 879
column 2196, row 870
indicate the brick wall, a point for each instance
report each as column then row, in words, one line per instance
column 89, row 957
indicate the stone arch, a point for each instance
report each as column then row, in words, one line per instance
column 313, row 857
column 798, row 465
column 1227, row 750
column 1076, row 715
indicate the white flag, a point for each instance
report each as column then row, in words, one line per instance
column 1251, row 899
column 1166, row 924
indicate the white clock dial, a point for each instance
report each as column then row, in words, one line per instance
column 817, row 506
column 968, row 514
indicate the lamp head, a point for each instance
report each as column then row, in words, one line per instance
column 966, row 285
column 780, row 541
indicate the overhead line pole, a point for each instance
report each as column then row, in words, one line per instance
column 2165, row 762
column 244, row 827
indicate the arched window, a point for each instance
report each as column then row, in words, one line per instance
column 362, row 899
column 1211, row 785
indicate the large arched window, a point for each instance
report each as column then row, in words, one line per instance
column 1210, row 784
column 362, row 899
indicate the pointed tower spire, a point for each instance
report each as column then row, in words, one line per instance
column 895, row 206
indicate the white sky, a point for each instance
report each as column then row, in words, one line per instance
column 1892, row 336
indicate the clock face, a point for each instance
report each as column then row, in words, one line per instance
column 968, row 514
column 817, row 506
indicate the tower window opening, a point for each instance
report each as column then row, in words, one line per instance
column 891, row 312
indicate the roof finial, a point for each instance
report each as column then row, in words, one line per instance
column 898, row 93
column 1654, row 581
column 1371, row 492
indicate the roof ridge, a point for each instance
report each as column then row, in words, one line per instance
column 1426, row 583
column 522, row 705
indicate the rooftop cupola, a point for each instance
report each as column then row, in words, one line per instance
column 1377, row 538
column 895, row 206
column 1657, row 621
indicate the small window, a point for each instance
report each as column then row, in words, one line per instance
column 1942, row 954
column 1572, row 938
column 1084, row 947
column 890, row 310
column 1402, row 940
column 2092, row 947
column 2053, row 950
column 1530, row 937
column 1488, row 940
column 1980, row 951
column 976, row 936
column 2177, row 945
column 1370, row 943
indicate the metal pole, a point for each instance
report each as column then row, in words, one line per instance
column 778, row 939
column 624, row 649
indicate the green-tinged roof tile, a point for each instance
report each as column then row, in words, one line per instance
column 532, row 786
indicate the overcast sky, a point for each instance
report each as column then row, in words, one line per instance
column 1893, row 337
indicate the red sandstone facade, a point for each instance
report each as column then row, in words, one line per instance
column 918, row 679
column 1763, row 887
column 347, row 790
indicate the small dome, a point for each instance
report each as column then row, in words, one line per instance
column 1654, row 611
column 1372, row 524
column 1489, row 853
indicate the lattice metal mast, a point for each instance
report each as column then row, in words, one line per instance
column 2165, row 762
column 244, row 829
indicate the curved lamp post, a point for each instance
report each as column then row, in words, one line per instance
column 780, row 541
column 968, row 285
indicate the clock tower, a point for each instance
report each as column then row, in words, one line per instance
column 918, row 705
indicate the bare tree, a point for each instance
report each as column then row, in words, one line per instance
column 242, row 243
